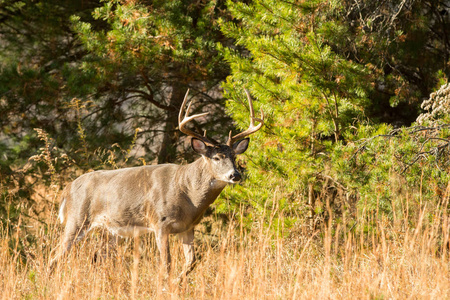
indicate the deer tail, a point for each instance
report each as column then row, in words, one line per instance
column 62, row 208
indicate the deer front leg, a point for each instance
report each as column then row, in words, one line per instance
column 72, row 233
column 187, row 239
column 162, row 240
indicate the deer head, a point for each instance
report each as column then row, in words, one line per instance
column 220, row 157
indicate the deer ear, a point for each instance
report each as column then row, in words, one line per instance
column 199, row 146
column 240, row 146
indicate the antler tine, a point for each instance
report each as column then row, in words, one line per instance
column 182, row 121
column 252, row 128
column 250, row 104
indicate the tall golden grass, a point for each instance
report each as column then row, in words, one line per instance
column 378, row 258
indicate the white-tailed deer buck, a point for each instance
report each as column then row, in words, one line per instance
column 166, row 198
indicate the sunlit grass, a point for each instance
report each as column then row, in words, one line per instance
column 332, row 262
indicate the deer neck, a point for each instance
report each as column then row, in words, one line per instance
column 200, row 185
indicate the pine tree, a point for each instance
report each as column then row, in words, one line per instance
column 150, row 55
column 326, row 72
column 311, row 94
column 36, row 47
column 405, row 45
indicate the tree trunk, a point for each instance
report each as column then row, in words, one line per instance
column 168, row 151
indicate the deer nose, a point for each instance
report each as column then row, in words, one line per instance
column 236, row 176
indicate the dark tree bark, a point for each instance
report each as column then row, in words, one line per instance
column 168, row 150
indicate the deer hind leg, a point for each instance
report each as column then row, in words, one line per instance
column 187, row 239
column 107, row 246
column 72, row 233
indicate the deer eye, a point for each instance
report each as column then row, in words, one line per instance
column 216, row 158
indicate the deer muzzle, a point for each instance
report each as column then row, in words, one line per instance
column 235, row 177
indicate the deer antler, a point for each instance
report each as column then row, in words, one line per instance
column 252, row 128
column 182, row 121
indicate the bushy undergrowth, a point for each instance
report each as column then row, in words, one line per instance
column 370, row 174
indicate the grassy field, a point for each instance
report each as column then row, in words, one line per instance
column 398, row 259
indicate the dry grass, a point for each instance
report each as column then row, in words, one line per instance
column 391, row 261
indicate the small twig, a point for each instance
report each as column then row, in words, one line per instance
column 429, row 136
column 367, row 140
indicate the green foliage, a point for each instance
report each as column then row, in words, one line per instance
column 401, row 42
column 311, row 95
column 319, row 80
column 145, row 59
column 37, row 45
column 163, row 37
column 392, row 167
